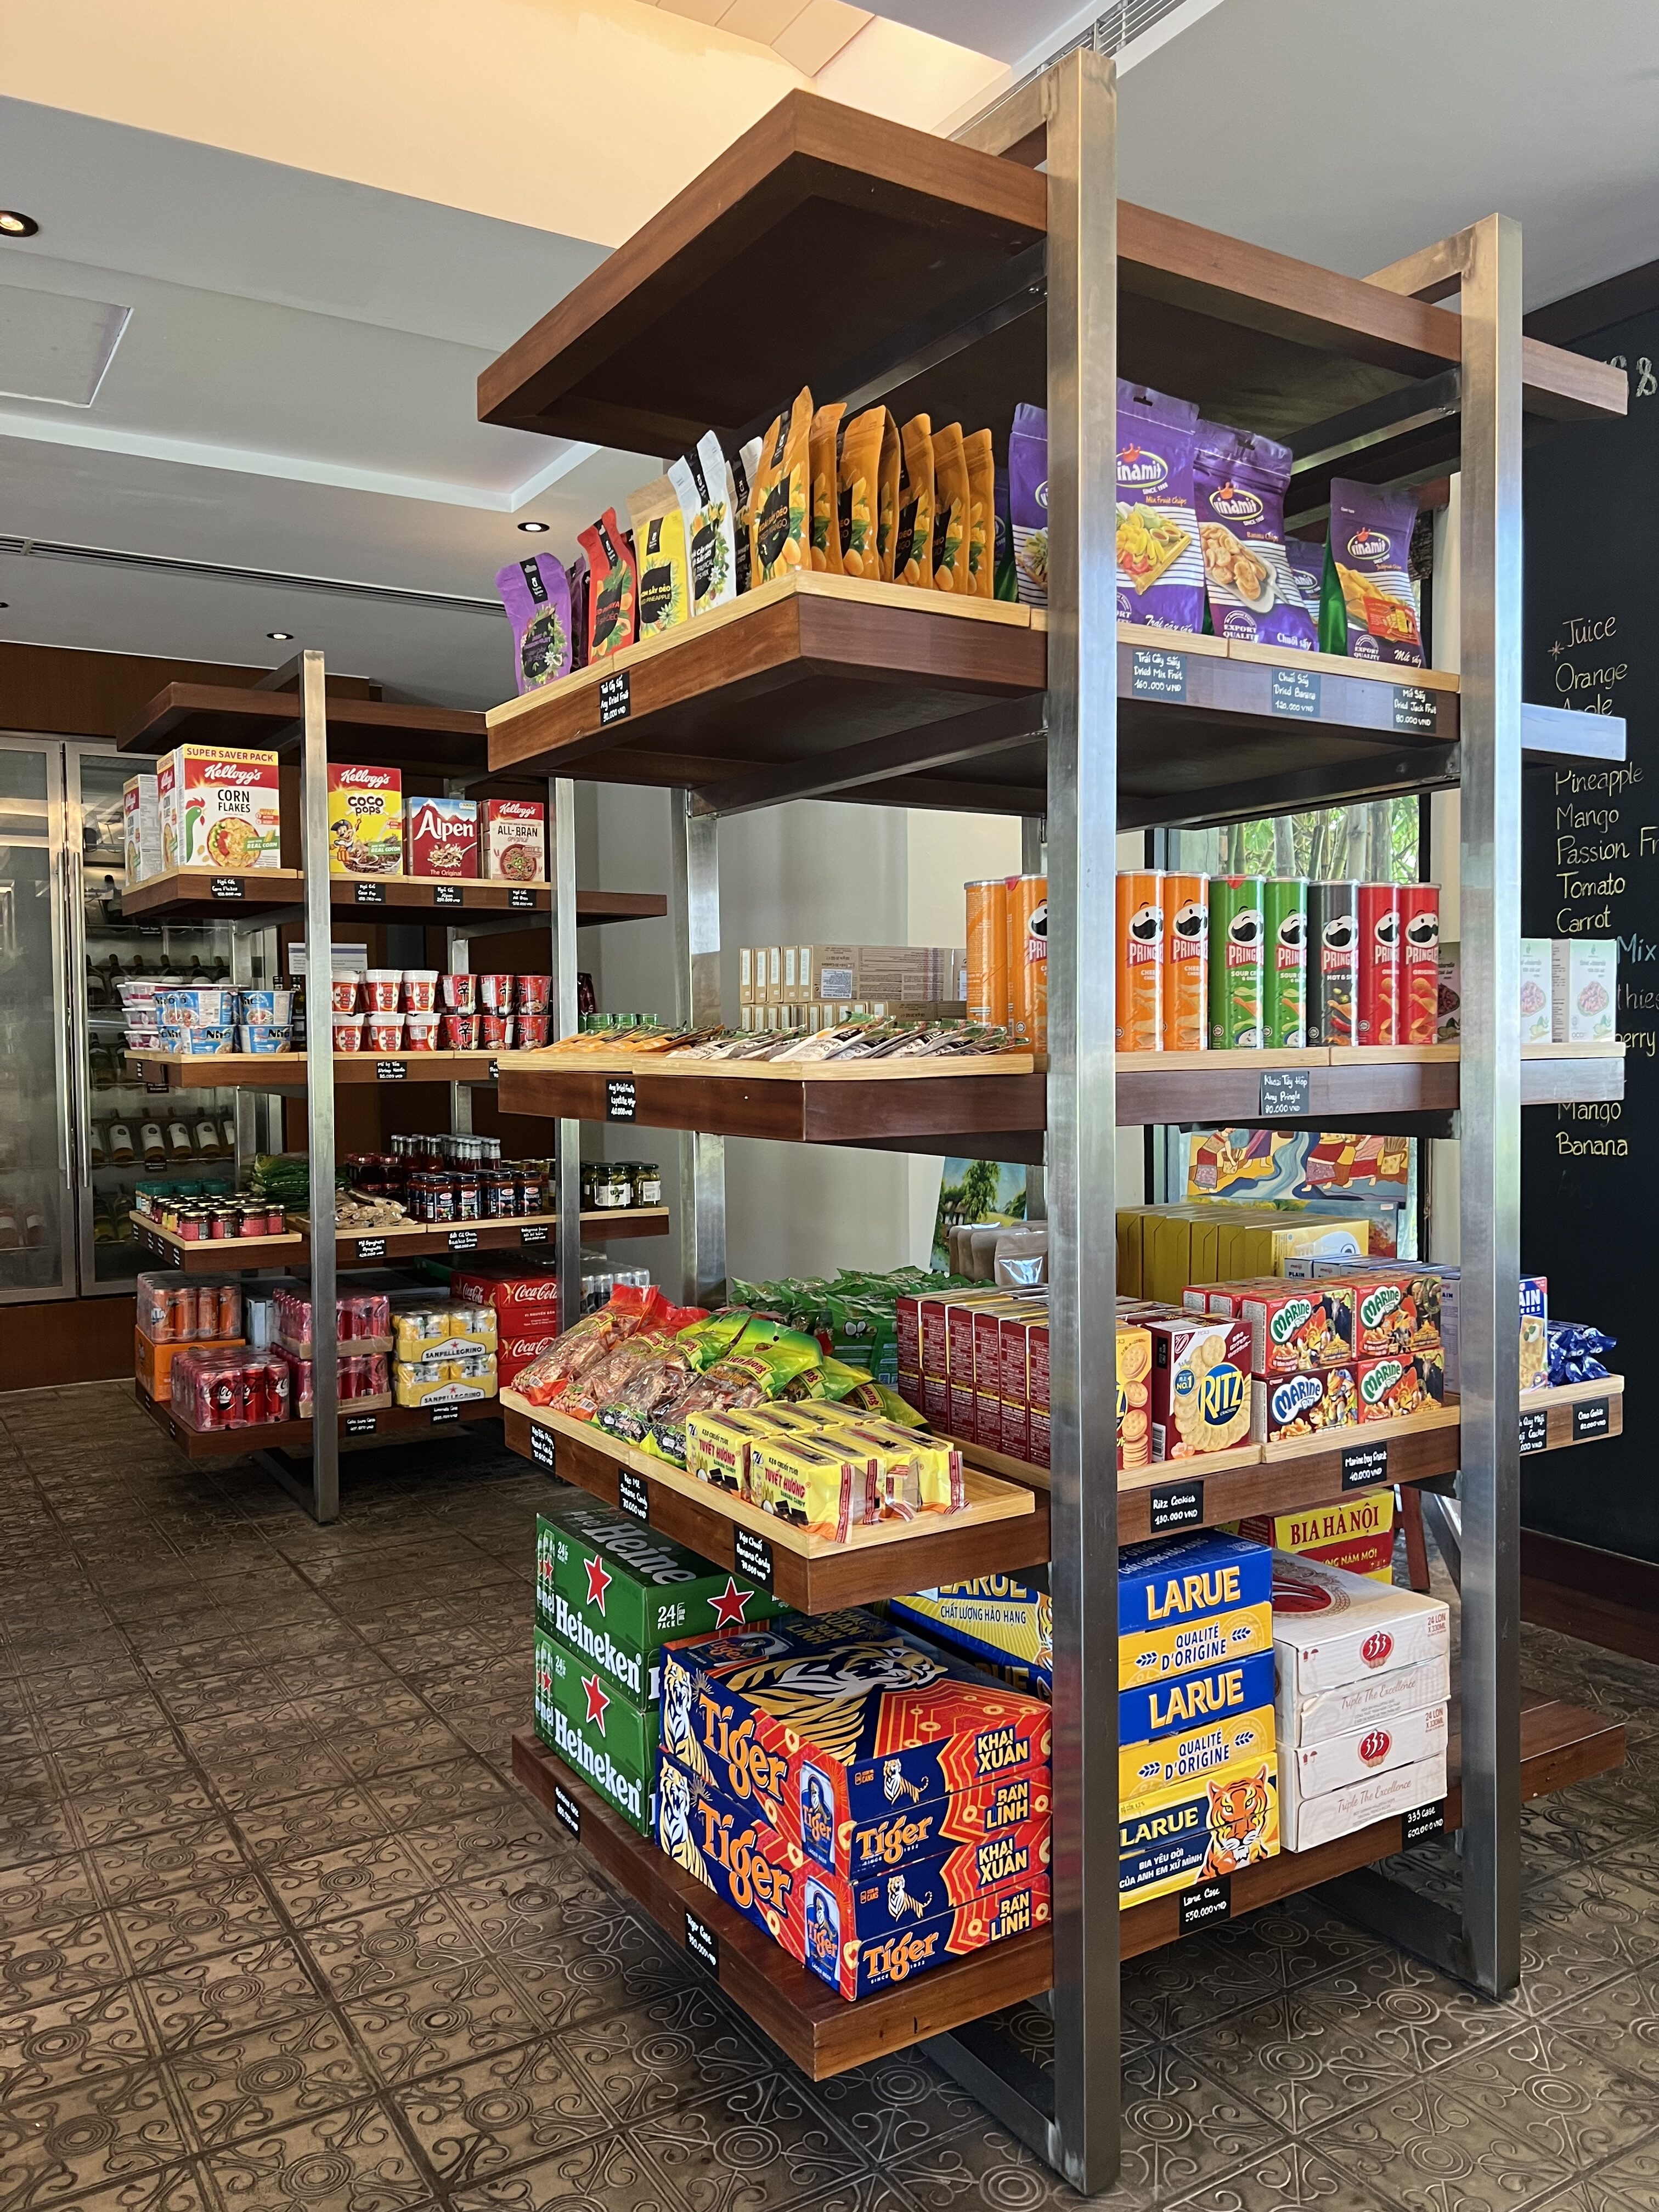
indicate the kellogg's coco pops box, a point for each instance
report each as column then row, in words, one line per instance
column 440, row 837
column 219, row 809
column 515, row 841
column 365, row 820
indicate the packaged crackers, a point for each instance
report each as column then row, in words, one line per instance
column 1134, row 1393
column 1395, row 1310
column 1297, row 1326
column 1392, row 1388
column 1201, row 1395
column 1286, row 1406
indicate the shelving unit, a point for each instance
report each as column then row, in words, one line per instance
column 199, row 895
column 414, row 1240
column 999, row 268
column 352, row 1424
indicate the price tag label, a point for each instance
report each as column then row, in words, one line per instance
column 541, row 1444
column 1286, row 1091
column 1423, row 1823
column 1206, row 1903
column 535, row 1233
column 442, row 1415
column 360, row 1424
column 703, row 1942
column 463, row 1240
column 1363, row 1466
column 1535, row 1429
column 566, row 1811
column 1296, row 692
column 1156, row 674
column 753, row 1556
column 391, row 1071
column 153, row 1088
column 494, row 1071
column 369, row 894
column 226, row 887
column 1181, row 1505
column 447, row 894
column 616, row 699
column 521, row 899
column 1590, row 1419
column 620, row 1098
column 371, row 1248
column 1415, row 710
column 632, row 1496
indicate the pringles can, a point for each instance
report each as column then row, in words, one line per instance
column 1420, row 962
column 1140, row 962
column 1186, row 964
column 1028, row 978
column 1284, row 955
column 1236, row 963
column 1333, row 962
column 988, row 950
column 1379, row 964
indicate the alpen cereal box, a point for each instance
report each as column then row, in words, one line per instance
column 1310, row 1821
column 515, row 841
column 1191, row 1831
column 1189, row 1603
column 219, row 808
column 1332, row 1762
column 1352, row 1707
column 141, row 826
column 1585, row 989
column 365, row 820
column 1330, row 1627
column 441, row 838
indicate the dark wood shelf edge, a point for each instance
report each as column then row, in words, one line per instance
column 401, row 1421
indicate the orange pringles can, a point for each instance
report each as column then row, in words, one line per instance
column 1186, row 964
column 1139, row 961
column 988, row 950
column 1028, row 918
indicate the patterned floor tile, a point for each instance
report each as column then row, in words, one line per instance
column 761, row 2144
column 90, row 2134
column 211, row 1998
column 364, row 1951
column 266, row 2078
column 500, row 2112
column 1619, row 2022
column 679, row 2048
column 606, row 2174
column 350, row 2161
column 380, row 1870
column 58, row 1961
column 437, row 2022
column 50, row 2045
column 1300, row 2058
column 44, row 1891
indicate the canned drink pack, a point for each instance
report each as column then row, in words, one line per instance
column 1237, row 962
column 1420, row 962
column 1379, row 965
column 1140, row 923
column 1028, row 961
column 1285, row 956
column 1186, row 964
column 1333, row 962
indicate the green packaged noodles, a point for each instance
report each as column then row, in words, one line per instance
column 761, row 1369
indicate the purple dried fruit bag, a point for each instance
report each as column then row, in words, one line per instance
column 1160, row 571
column 536, row 593
column 1307, row 558
column 1239, row 483
column 1028, row 502
column 1369, row 565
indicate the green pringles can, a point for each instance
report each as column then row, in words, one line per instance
column 1237, row 937
column 1284, row 960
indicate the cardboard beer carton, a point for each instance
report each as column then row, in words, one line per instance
column 1332, row 1762
column 1330, row 1627
column 1186, row 1602
column 602, row 1736
column 1310, row 1821
column 1356, row 1533
column 997, row 1620
column 1197, row 1724
column 1191, row 1830
column 1377, row 1702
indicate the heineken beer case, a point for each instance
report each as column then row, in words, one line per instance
column 601, row 1735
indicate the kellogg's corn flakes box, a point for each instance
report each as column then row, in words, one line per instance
column 219, row 808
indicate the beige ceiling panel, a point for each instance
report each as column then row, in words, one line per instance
column 818, row 33
column 695, row 11
column 763, row 21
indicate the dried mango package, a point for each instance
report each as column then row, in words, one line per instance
column 826, row 520
column 857, row 484
column 612, row 593
column 952, row 553
column 659, row 549
column 912, row 544
column 982, row 506
column 777, row 504
column 887, row 496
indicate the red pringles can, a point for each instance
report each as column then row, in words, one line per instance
column 1420, row 962
column 1379, row 965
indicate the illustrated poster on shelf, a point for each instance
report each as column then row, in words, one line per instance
column 1332, row 1170
column 975, row 1190
column 1589, row 1197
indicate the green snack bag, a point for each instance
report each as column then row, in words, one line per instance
column 849, row 1385
column 606, row 1738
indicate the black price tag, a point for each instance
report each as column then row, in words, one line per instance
column 1415, row 709
column 1156, row 674
column 632, row 1496
column 566, row 1811
column 616, row 701
column 541, row 1444
column 1296, row 691
column 753, row 1557
column 521, row 899
column 1590, row 1419
column 1286, row 1091
column 534, row 1234
column 389, row 1071
column 1535, row 1429
column 1206, row 1902
column 226, row 887
column 440, row 1415
column 703, row 1942
column 1423, row 1823
column 1363, row 1466
column 620, row 1098
column 1181, row 1505
column 463, row 1240
column 153, row 1088
column 360, row 1424
column 447, row 894
column 371, row 1248
column 370, row 895
column 494, row 1071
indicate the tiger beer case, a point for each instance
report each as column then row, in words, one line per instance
column 1330, row 1627
column 831, row 1725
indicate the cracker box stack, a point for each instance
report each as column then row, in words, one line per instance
column 1363, row 1681
column 874, row 1808
column 608, row 1593
column 1198, row 1784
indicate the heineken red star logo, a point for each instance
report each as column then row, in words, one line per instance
column 730, row 1605
column 599, row 1582
column 598, row 1698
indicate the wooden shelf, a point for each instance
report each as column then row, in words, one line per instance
column 408, row 1422
column 286, row 1071
column 226, row 1257
column 523, row 1232
column 203, row 895
column 378, row 732
column 1004, row 1525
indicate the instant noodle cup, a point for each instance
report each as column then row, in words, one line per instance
column 534, row 994
column 419, row 990
column 496, row 993
column 495, row 1030
column 988, row 950
column 383, row 1032
column 534, row 1031
column 1186, row 964
column 258, row 1037
column 268, row 1007
column 423, row 1032
column 1141, row 922
column 460, row 994
column 1379, row 964
column 348, row 1032
column 383, row 990
column 460, row 1032
column 344, row 989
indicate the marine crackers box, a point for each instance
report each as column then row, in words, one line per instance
column 1356, row 1533
column 1331, row 1628
column 1396, row 1312
column 601, row 1735
column 1175, row 1731
column 615, row 1592
column 808, row 1912
column 1401, row 1383
column 1286, row 1406
column 832, row 1724
column 1186, row 1602
column 1190, row 1830
column 1297, row 1326
column 996, row 1619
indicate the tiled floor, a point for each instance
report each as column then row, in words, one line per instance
column 277, row 1931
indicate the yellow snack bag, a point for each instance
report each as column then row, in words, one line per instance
column 777, row 504
column 982, row 511
column 826, row 521
column 887, row 496
column 951, row 550
column 858, row 486
column 912, row 544
column 819, row 1487
column 660, row 552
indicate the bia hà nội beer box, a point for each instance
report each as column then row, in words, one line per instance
column 614, row 1592
column 832, row 1727
column 858, row 1934
column 1188, row 1602
column 603, row 1737
column 1356, row 1533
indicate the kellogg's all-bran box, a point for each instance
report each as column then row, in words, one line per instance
column 515, row 841
column 219, row 808
column 365, row 820
column 440, row 837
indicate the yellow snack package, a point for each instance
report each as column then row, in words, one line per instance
column 717, row 1448
column 857, row 483
column 982, row 513
column 777, row 504
column 826, row 520
column 887, row 496
column 913, row 543
column 819, row 1486
column 952, row 553
column 659, row 550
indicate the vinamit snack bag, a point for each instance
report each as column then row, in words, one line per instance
column 659, row 550
column 740, row 480
column 952, row 514
column 702, row 487
column 1306, row 557
column 1160, row 570
column 981, row 508
column 612, row 587
column 536, row 593
column 1028, row 503
column 1367, row 567
column 913, row 543
column 857, row 493
column 578, row 575
column 825, row 502
column 777, row 504
column 887, row 495
column 1239, row 485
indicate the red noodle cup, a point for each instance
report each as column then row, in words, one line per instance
column 344, row 992
column 495, row 1031
column 348, row 1032
column 533, row 1030
column 383, row 989
column 535, row 994
column 496, row 993
column 424, row 1031
column 460, row 994
column 461, row 1032
column 419, row 990
column 383, row 1032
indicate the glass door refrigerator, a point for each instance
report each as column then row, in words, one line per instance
column 37, row 1207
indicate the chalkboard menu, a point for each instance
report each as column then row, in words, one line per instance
column 1589, row 1193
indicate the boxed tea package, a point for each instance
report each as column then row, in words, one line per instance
column 141, row 828
column 1585, row 989
column 365, row 820
column 219, row 808
column 1537, row 990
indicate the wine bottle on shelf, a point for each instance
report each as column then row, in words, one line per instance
column 96, row 1156
column 119, row 1140
column 179, row 1147
column 207, row 1138
column 153, row 1145
column 228, row 1124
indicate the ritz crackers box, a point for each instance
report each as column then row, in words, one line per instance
column 832, row 1726
column 603, row 1737
column 614, row 1592
column 1185, row 1603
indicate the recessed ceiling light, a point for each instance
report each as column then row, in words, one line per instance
column 282, row 637
column 535, row 528
column 13, row 225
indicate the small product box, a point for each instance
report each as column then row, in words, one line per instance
column 514, row 841
column 140, row 824
column 1190, row 1830
column 1134, row 1393
column 1297, row 1326
column 1448, row 1012
column 1391, row 1388
column 1175, row 1731
column 1186, row 1602
column 219, row 808
column 365, row 820
column 1200, row 1385
column 1356, row 1533
column 1397, row 1310
column 1332, row 1762
column 1537, row 991
column 1585, row 989
column 601, row 1735
column 1377, row 1702
column 1535, row 1317
column 998, row 1621
column 1330, row 1628
column 1283, row 1406
column 440, row 838
column 1310, row 1821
